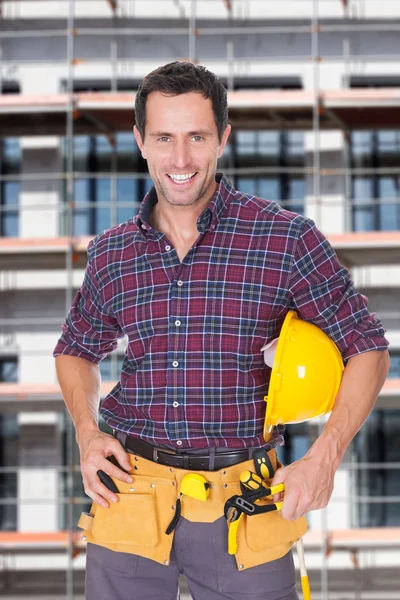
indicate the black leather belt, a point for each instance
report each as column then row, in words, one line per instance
column 196, row 462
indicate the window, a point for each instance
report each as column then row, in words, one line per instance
column 8, row 369
column 379, row 442
column 10, row 165
column 277, row 151
column 8, row 451
column 394, row 371
column 102, row 200
column 296, row 443
column 376, row 195
column 111, row 366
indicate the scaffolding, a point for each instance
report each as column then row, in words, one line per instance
column 316, row 109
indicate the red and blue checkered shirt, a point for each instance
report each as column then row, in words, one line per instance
column 193, row 375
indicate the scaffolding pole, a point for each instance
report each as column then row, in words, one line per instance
column 69, row 287
column 317, row 194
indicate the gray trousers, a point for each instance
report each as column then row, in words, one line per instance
column 199, row 552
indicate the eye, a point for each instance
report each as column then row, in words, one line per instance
column 197, row 138
column 163, row 138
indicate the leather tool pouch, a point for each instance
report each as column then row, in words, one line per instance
column 137, row 523
column 264, row 537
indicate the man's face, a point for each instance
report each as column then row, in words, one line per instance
column 181, row 146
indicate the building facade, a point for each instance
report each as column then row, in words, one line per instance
column 314, row 96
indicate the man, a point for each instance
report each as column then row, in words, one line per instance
column 199, row 281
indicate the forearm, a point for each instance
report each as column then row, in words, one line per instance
column 80, row 382
column 362, row 381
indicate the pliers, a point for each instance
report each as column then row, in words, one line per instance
column 253, row 489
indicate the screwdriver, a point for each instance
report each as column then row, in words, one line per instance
column 253, row 482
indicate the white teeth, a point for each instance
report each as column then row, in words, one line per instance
column 181, row 178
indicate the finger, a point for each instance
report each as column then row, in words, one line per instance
column 121, row 456
column 98, row 488
column 278, row 478
column 277, row 497
column 97, row 498
column 115, row 472
column 289, row 506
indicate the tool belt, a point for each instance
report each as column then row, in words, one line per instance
column 139, row 521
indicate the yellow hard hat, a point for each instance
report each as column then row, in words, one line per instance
column 306, row 374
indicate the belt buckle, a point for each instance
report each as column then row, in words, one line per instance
column 155, row 454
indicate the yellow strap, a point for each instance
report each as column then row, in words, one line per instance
column 232, row 533
column 305, row 588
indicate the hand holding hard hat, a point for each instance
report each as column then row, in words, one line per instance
column 307, row 370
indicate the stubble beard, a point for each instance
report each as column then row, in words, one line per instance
column 195, row 195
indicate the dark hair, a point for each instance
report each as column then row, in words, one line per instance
column 181, row 78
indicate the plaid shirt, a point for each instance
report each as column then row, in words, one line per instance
column 193, row 375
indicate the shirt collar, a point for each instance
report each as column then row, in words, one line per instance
column 208, row 219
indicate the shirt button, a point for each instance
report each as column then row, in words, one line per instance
column 175, row 363
column 167, row 248
column 179, row 282
column 178, row 323
column 175, row 404
column 179, row 442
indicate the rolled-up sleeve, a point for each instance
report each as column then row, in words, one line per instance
column 89, row 331
column 323, row 293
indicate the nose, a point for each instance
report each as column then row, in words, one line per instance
column 180, row 154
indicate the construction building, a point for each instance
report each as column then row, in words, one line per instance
column 314, row 97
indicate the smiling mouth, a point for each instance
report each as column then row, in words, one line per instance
column 182, row 179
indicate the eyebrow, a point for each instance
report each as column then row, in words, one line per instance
column 165, row 133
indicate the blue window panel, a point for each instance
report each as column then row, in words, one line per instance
column 81, row 215
column 8, row 370
column 103, row 202
column 268, row 143
column 269, row 189
column 12, row 155
column 363, row 190
column 295, row 144
column 296, row 443
column 389, row 212
column 363, row 209
column 81, row 148
column 127, row 199
column 388, row 141
column 377, row 442
column 296, row 193
column 147, row 184
column 105, row 369
column 111, row 367
column 394, row 370
column 362, row 145
column 10, row 217
column 264, row 188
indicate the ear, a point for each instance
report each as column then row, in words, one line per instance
column 225, row 137
column 139, row 141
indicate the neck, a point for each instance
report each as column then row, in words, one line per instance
column 178, row 221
